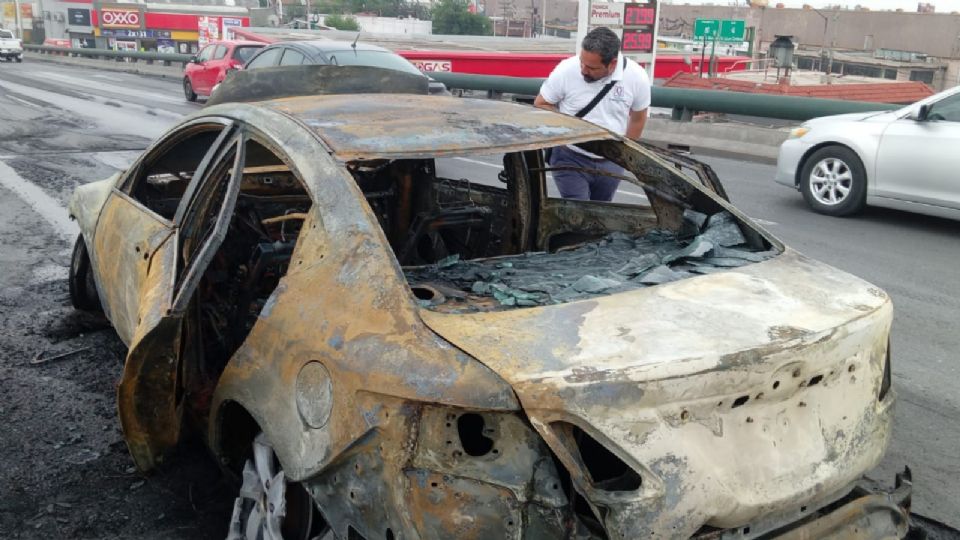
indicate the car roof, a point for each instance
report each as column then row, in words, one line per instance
column 374, row 126
column 328, row 45
column 238, row 43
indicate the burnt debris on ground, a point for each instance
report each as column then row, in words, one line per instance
column 615, row 263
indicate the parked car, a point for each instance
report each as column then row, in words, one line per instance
column 377, row 349
column 211, row 65
column 341, row 53
column 905, row 159
column 11, row 48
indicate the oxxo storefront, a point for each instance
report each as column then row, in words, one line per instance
column 161, row 28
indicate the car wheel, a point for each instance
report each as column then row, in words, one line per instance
column 19, row 60
column 188, row 90
column 833, row 181
column 269, row 507
column 83, row 290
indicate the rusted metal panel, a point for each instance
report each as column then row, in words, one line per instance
column 371, row 126
column 661, row 374
column 127, row 236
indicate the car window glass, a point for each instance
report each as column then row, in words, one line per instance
column 161, row 179
column 266, row 58
column 291, row 58
column 946, row 109
column 220, row 52
column 6, row 34
column 381, row 59
column 206, row 53
column 244, row 54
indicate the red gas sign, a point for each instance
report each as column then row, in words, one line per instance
column 119, row 18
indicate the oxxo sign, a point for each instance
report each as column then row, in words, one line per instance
column 119, row 18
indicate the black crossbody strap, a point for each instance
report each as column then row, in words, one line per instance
column 596, row 99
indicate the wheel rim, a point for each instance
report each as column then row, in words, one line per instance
column 831, row 181
column 268, row 508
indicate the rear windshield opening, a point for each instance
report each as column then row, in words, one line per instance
column 490, row 232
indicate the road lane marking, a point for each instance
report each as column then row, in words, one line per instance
column 25, row 102
column 46, row 206
column 133, row 119
column 112, row 89
column 477, row 162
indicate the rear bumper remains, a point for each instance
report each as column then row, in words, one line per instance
column 867, row 512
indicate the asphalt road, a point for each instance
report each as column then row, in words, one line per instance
column 62, row 126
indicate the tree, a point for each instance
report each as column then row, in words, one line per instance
column 341, row 22
column 454, row 17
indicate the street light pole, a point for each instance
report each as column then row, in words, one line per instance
column 823, row 42
column 543, row 18
column 16, row 18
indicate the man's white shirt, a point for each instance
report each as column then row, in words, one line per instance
column 566, row 89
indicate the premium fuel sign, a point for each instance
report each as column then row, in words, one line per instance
column 635, row 23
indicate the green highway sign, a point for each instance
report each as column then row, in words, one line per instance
column 719, row 29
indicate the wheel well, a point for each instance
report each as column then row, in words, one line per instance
column 236, row 430
column 803, row 160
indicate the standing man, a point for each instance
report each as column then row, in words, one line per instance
column 602, row 87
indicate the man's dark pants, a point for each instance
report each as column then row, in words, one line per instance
column 583, row 185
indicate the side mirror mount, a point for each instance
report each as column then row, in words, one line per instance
column 921, row 114
column 194, row 60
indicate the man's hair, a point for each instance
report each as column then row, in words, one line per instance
column 602, row 41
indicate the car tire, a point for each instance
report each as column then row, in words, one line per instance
column 270, row 506
column 19, row 60
column 83, row 289
column 834, row 182
column 188, row 90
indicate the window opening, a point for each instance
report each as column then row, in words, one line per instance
column 477, row 234
column 160, row 182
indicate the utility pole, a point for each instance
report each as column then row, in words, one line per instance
column 823, row 43
column 18, row 22
column 543, row 18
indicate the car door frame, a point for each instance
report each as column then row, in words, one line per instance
column 149, row 396
column 934, row 181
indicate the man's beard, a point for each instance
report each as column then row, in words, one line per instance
column 588, row 78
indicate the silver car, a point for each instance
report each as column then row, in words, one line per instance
column 905, row 159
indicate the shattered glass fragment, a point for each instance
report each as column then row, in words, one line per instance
column 722, row 230
column 618, row 262
column 447, row 262
column 697, row 248
column 639, row 265
column 660, row 274
column 594, row 284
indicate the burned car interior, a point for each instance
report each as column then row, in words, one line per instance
column 466, row 246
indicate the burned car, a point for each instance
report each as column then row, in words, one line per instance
column 378, row 349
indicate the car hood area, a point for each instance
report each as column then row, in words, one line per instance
column 721, row 400
column 854, row 117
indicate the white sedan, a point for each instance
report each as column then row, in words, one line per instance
column 908, row 159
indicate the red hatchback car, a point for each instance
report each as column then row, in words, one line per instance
column 209, row 67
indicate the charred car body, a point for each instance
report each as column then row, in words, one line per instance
column 380, row 351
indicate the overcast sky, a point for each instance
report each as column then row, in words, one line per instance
column 943, row 6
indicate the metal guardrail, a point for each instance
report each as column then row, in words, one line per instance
column 165, row 59
column 684, row 100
